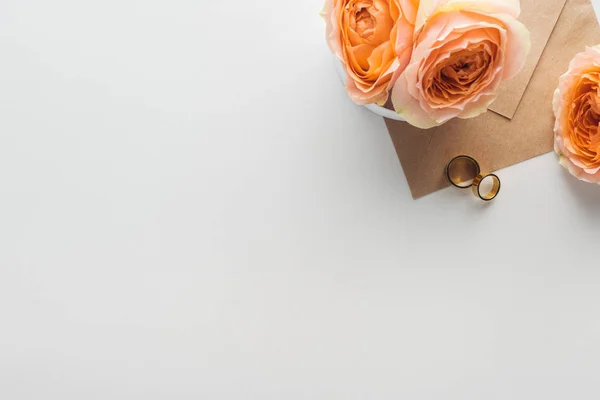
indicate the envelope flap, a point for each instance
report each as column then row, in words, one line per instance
column 540, row 18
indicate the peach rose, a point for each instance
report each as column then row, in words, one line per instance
column 373, row 39
column 463, row 50
column 577, row 110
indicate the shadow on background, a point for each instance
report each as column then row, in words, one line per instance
column 586, row 194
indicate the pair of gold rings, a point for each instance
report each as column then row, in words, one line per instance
column 464, row 172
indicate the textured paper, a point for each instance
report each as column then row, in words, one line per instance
column 540, row 16
column 494, row 140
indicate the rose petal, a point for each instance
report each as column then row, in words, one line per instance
column 464, row 49
column 373, row 39
column 576, row 106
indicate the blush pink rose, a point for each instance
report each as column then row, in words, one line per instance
column 577, row 110
column 463, row 50
column 373, row 39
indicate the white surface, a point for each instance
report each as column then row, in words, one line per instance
column 191, row 208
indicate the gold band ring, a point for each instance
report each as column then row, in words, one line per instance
column 493, row 192
column 462, row 170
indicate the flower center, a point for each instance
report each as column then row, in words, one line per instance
column 459, row 76
column 465, row 69
column 365, row 22
column 369, row 22
column 585, row 120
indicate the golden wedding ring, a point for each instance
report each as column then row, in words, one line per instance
column 462, row 170
column 491, row 195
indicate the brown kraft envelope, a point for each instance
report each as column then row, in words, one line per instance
column 520, row 124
